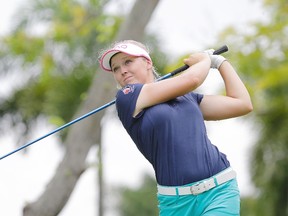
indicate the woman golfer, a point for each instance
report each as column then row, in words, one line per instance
column 165, row 119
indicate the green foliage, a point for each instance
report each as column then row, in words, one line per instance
column 57, row 64
column 141, row 201
column 249, row 206
column 27, row 46
column 262, row 60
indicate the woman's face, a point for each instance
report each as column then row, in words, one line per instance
column 130, row 69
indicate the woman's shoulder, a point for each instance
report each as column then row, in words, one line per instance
column 195, row 96
column 130, row 89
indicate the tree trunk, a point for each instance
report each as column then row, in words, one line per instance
column 86, row 133
column 100, row 182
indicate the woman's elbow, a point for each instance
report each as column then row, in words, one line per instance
column 195, row 82
column 248, row 107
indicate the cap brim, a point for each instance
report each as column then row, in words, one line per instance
column 105, row 59
column 127, row 48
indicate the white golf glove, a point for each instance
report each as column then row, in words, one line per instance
column 216, row 60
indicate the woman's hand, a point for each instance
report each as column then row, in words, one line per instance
column 195, row 58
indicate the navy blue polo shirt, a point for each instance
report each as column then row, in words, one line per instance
column 172, row 137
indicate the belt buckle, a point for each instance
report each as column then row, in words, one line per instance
column 198, row 188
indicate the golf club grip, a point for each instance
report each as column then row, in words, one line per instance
column 219, row 51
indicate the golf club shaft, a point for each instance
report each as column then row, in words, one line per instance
column 216, row 52
column 219, row 51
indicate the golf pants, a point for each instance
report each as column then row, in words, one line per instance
column 223, row 200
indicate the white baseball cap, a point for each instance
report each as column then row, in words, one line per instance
column 127, row 48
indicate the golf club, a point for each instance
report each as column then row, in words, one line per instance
column 216, row 52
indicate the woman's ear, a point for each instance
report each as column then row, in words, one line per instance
column 149, row 64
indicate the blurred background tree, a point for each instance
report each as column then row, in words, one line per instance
column 262, row 59
column 51, row 51
column 140, row 201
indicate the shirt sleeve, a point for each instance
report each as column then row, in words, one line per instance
column 126, row 99
column 196, row 96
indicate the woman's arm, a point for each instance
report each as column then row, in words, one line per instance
column 237, row 101
column 165, row 90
